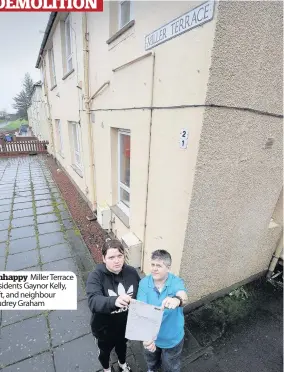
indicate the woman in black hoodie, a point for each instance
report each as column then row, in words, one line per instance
column 110, row 287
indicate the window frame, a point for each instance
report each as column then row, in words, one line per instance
column 120, row 25
column 59, row 133
column 69, row 57
column 120, row 184
column 77, row 152
column 52, row 69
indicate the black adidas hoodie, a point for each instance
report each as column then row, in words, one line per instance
column 103, row 288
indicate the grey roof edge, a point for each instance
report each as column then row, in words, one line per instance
column 46, row 34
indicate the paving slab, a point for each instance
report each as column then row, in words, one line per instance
column 14, row 316
column 68, row 224
column 62, row 265
column 4, row 225
column 2, row 249
column 22, row 245
column 39, row 363
column 18, row 206
column 2, row 263
column 44, row 218
column 3, row 236
column 40, row 186
column 44, row 210
column 22, row 232
column 23, row 194
column 68, row 358
column 61, row 207
column 22, row 260
column 68, row 325
column 55, row 253
column 47, row 240
column 40, row 191
column 42, row 197
column 5, row 202
column 23, row 199
column 23, row 221
column 23, row 184
column 6, row 195
column 4, row 215
column 65, row 215
column 43, row 203
column 23, row 339
column 6, row 208
column 81, row 291
column 49, row 227
column 23, row 188
column 33, row 268
column 23, row 213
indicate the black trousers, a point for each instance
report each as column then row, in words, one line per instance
column 106, row 346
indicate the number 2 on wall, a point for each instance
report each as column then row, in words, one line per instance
column 183, row 139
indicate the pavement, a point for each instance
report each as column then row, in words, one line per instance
column 37, row 233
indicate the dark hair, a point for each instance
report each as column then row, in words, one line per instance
column 161, row 254
column 112, row 244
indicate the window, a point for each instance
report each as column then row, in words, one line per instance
column 124, row 13
column 52, row 68
column 75, row 133
column 124, row 171
column 59, row 136
column 68, row 45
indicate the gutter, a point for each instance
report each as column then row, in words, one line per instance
column 46, row 35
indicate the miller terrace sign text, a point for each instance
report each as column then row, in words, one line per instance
column 194, row 18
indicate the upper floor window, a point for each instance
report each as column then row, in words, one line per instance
column 124, row 13
column 52, row 68
column 68, row 45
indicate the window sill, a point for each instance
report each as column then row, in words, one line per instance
column 68, row 73
column 77, row 170
column 121, row 215
column 60, row 153
column 54, row 86
column 121, row 31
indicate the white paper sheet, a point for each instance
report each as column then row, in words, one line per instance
column 143, row 322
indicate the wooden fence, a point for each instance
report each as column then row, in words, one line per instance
column 23, row 147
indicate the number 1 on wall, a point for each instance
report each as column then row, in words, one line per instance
column 183, row 139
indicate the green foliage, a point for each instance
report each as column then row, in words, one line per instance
column 15, row 124
column 23, row 99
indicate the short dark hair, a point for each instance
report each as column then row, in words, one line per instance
column 112, row 244
column 161, row 254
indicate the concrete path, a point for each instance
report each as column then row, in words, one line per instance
column 37, row 233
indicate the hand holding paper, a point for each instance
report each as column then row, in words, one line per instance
column 143, row 322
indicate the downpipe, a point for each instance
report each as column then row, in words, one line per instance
column 275, row 258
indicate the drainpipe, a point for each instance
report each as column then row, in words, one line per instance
column 275, row 257
column 48, row 106
column 149, row 157
column 87, row 104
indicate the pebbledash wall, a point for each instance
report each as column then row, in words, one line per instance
column 211, row 203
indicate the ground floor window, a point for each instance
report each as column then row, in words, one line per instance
column 124, row 171
column 59, row 136
column 76, row 143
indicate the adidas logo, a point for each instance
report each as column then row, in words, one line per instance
column 121, row 291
